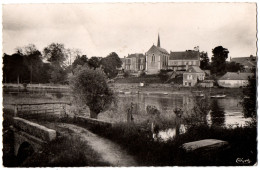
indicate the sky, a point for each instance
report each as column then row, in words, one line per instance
column 126, row 28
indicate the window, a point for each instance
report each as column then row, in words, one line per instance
column 189, row 77
column 141, row 67
column 153, row 58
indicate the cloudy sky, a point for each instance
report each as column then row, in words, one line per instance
column 98, row 29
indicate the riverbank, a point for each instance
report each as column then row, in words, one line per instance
column 135, row 88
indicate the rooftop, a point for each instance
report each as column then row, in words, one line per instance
column 236, row 76
column 185, row 55
column 194, row 69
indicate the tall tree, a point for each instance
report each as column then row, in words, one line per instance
column 110, row 64
column 218, row 64
column 15, row 67
column 94, row 62
column 80, row 61
column 33, row 61
column 204, row 61
column 55, row 53
column 249, row 98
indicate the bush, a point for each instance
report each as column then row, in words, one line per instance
column 163, row 75
column 126, row 74
column 90, row 89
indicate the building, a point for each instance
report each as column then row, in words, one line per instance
column 179, row 60
column 234, row 79
column 134, row 62
column 156, row 58
column 192, row 75
column 249, row 63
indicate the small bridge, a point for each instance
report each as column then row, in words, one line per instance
column 30, row 137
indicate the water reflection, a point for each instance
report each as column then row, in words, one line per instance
column 217, row 113
column 224, row 112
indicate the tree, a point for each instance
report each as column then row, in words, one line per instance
column 249, row 98
column 234, row 67
column 80, row 61
column 33, row 61
column 90, row 88
column 56, row 54
column 218, row 65
column 110, row 64
column 94, row 62
column 204, row 61
column 15, row 67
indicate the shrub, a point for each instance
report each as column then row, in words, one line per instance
column 126, row 74
column 90, row 89
column 163, row 75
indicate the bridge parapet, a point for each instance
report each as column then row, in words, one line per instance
column 35, row 129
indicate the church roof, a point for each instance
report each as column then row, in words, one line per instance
column 185, row 55
column 159, row 49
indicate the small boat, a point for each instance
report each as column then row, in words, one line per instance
column 198, row 93
column 218, row 96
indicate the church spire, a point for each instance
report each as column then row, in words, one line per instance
column 158, row 43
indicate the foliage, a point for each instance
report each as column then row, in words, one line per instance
column 249, row 98
column 163, row 75
column 137, row 140
column 199, row 108
column 110, row 64
column 142, row 74
column 90, row 88
column 58, row 75
column 218, row 64
column 126, row 74
column 204, row 61
column 234, row 67
column 55, row 53
column 80, row 61
column 94, row 62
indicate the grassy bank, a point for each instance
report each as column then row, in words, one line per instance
column 65, row 151
column 154, row 153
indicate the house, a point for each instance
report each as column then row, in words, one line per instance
column 156, row 58
column 249, row 63
column 134, row 62
column 234, row 79
column 206, row 83
column 179, row 60
column 192, row 75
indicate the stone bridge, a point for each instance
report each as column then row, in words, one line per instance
column 30, row 137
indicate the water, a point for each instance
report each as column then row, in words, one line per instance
column 225, row 112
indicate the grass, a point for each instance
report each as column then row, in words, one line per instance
column 140, row 143
column 146, row 79
column 65, row 152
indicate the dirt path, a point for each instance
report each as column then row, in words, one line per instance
column 109, row 151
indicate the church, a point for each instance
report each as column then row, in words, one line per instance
column 158, row 58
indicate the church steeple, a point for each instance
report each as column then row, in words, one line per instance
column 158, row 43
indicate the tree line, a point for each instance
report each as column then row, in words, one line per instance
column 218, row 65
column 53, row 65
